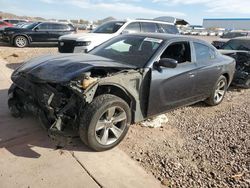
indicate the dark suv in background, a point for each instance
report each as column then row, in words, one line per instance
column 38, row 32
column 229, row 35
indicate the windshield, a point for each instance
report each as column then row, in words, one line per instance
column 231, row 35
column 237, row 45
column 131, row 50
column 25, row 25
column 110, row 27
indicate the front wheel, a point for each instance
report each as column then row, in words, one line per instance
column 20, row 41
column 218, row 92
column 104, row 122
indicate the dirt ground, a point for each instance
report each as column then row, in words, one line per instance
column 199, row 146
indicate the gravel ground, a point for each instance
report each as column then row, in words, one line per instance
column 199, row 146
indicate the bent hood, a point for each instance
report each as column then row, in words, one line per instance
column 63, row 68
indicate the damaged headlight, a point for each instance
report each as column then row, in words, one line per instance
column 87, row 80
column 82, row 43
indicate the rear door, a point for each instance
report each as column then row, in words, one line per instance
column 209, row 69
column 58, row 29
column 173, row 87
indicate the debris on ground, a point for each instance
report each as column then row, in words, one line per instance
column 14, row 55
column 157, row 122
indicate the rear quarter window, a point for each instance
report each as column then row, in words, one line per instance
column 166, row 28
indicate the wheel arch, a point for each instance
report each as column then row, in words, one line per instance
column 24, row 35
column 118, row 91
column 227, row 77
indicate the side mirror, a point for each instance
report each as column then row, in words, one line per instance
column 167, row 62
column 36, row 29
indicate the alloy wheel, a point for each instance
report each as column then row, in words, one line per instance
column 21, row 41
column 220, row 91
column 110, row 125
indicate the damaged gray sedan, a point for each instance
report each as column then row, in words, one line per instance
column 123, row 81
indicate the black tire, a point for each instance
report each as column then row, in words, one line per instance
column 92, row 113
column 21, row 41
column 212, row 99
column 13, row 104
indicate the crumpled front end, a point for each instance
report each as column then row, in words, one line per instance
column 59, row 105
column 56, row 105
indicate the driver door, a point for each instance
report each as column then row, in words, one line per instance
column 40, row 33
column 173, row 87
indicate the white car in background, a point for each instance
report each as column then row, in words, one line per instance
column 84, row 42
column 203, row 33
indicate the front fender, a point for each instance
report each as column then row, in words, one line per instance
column 19, row 34
column 130, row 83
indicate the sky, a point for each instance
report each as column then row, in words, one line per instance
column 191, row 10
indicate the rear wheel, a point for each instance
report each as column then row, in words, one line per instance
column 104, row 122
column 219, row 92
column 20, row 41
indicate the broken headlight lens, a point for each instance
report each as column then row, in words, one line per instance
column 83, row 43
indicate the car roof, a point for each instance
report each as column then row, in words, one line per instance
column 151, row 21
column 142, row 20
column 239, row 31
column 16, row 19
column 242, row 38
column 167, row 37
column 55, row 22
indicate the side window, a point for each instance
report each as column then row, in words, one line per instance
column 43, row 26
column 203, row 53
column 180, row 51
column 133, row 28
column 149, row 27
column 53, row 26
column 166, row 28
column 58, row 26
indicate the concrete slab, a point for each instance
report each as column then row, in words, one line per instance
column 51, row 169
column 28, row 157
column 115, row 169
